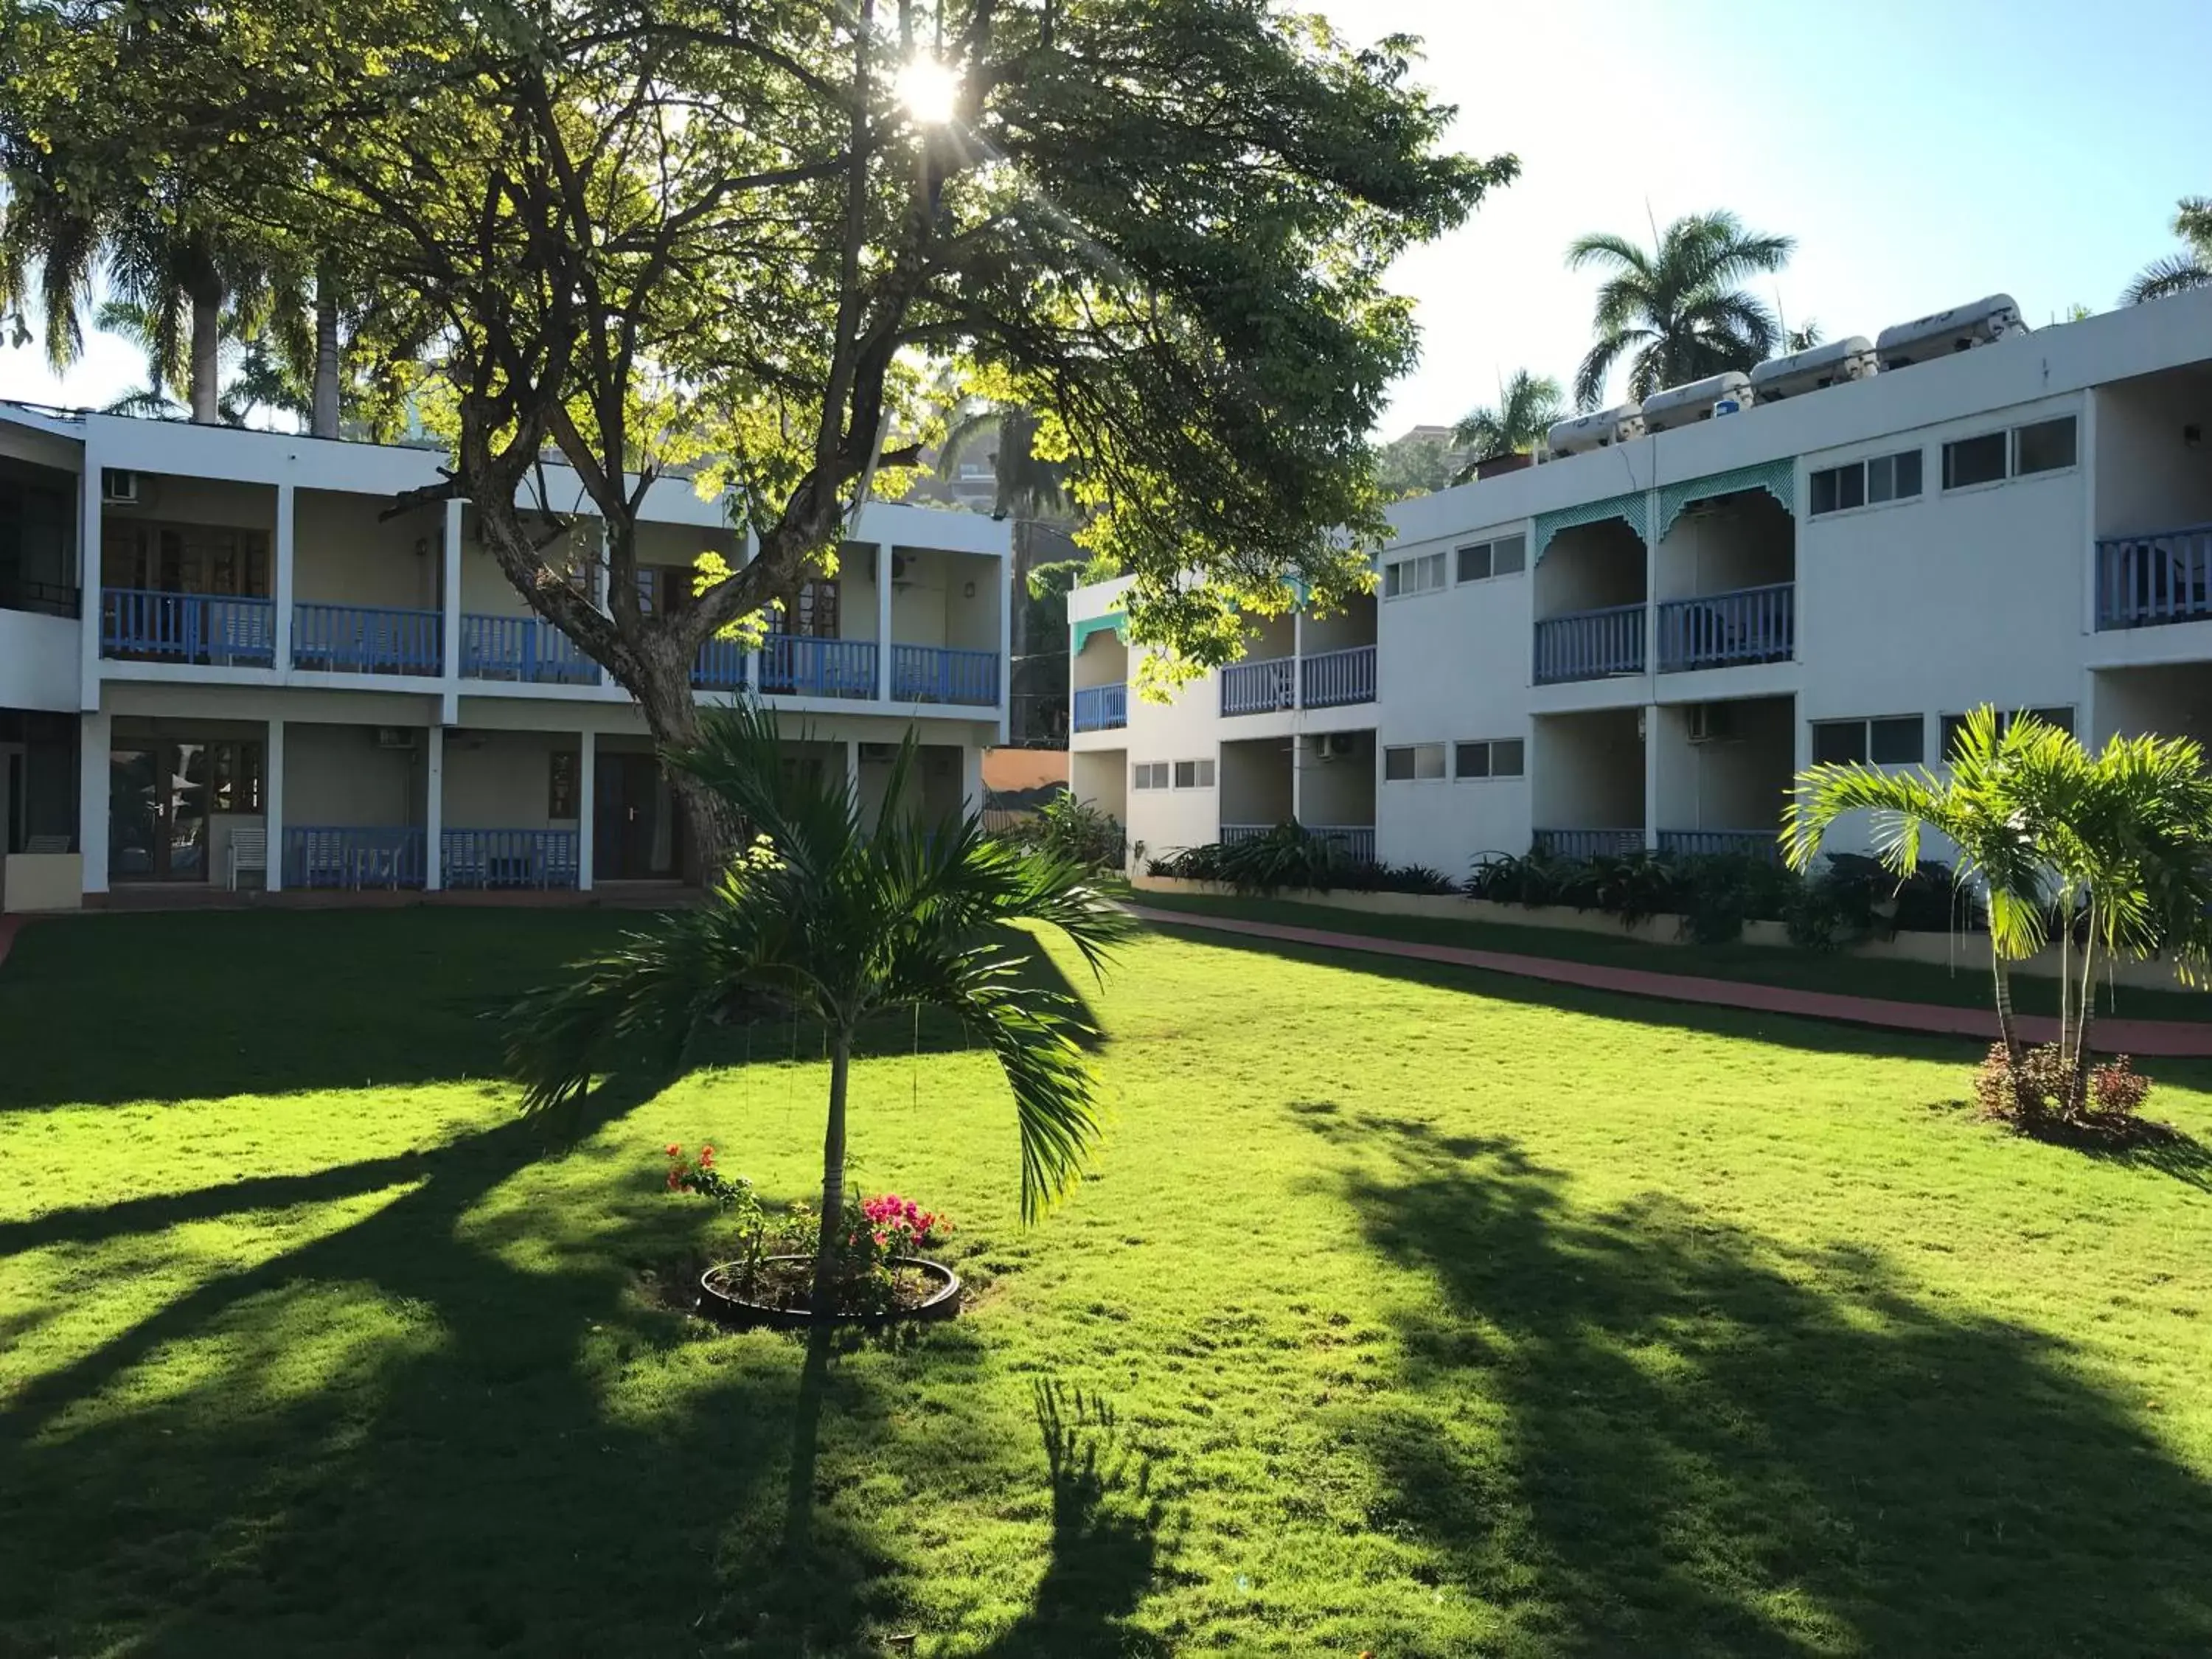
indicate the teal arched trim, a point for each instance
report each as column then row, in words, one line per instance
column 1080, row 632
column 1777, row 478
column 1629, row 508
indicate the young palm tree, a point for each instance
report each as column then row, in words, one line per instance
column 1674, row 310
column 2179, row 272
column 1979, row 807
column 834, row 919
column 1527, row 406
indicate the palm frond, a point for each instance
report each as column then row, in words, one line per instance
column 1601, row 248
column 2176, row 273
column 1596, row 366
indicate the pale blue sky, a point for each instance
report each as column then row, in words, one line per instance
column 1923, row 154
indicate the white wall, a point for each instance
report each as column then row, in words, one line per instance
column 1717, row 547
column 1588, row 567
column 1736, row 784
column 41, row 657
column 503, row 780
column 336, row 774
column 2149, row 476
column 1255, row 780
column 344, row 552
column 1586, row 771
column 1339, row 790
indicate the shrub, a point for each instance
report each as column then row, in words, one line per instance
column 1291, row 856
column 2038, row 1096
column 1069, row 828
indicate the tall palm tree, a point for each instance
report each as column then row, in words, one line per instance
column 1979, row 807
column 1528, row 404
column 831, row 918
column 2179, row 272
column 1674, row 310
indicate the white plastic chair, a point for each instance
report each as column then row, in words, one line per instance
column 249, row 850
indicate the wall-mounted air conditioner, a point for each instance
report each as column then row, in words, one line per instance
column 1711, row 722
column 397, row 736
column 1333, row 746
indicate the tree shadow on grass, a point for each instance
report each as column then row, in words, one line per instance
column 1641, row 1431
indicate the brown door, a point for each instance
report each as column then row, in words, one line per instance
column 634, row 828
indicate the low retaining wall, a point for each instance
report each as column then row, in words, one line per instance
column 1967, row 952
column 41, row 881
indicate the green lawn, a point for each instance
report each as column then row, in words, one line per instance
column 1411, row 1311
column 1963, row 985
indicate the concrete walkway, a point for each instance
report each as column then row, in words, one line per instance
column 2166, row 1038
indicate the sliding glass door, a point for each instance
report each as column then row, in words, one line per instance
column 157, row 808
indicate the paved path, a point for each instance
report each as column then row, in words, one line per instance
column 2168, row 1038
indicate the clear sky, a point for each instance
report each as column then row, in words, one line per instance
column 1923, row 155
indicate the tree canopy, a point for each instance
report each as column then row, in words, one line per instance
column 653, row 235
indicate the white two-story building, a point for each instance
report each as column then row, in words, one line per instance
column 226, row 661
column 1640, row 645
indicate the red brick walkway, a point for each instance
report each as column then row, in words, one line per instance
column 9, row 925
column 2169, row 1038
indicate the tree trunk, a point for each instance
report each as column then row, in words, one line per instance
column 2008, row 1027
column 2077, row 1087
column 205, row 375
column 827, row 1247
column 671, row 715
column 323, row 421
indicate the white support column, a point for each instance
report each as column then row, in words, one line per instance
column 587, row 793
column 272, row 805
column 91, row 747
column 280, row 584
column 450, row 597
column 1006, row 646
column 1298, row 660
column 853, row 768
column 1297, row 776
column 971, row 778
column 883, row 622
column 434, row 810
column 92, row 611
column 1649, row 720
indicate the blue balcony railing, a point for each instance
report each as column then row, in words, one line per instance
column 719, row 666
column 1590, row 645
column 1102, row 707
column 1588, row 843
column 359, row 638
column 1259, row 688
column 924, row 673
column 796, row 665
column 522, row 648
column 1330, row 679
column 511, row 859
column 1747, row 843
column 1750, row 624
column 2164, row 576
column 353, row 856
column 216, row 628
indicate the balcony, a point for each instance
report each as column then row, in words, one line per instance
column 924, row 673
column 2165, row 576
column 214, row 628
column 719, row 666
column 1588, row 843
column 1723, row 630
column 509, row 859
column 1355, row 841
column 1259, row 688
column 524, row 649
column 1732, row 843
column 1331, row 679
column 1102, row 707
column 1590, row 645
column 797, row 665
column 353, row 857
column 357, row 639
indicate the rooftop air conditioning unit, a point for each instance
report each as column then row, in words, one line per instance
column 1700, row 400
column 1711, row 722
column 1599, row 431
column 1959, row 329
column 118, row 486
column 396, row 737
column 1822, row 367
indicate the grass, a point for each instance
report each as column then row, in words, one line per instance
column 1964, row 986
column 1411, row 1310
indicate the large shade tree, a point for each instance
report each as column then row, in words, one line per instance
column 732, row 235
column 1677, row 311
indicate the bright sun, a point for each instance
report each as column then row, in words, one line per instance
column 929, row 90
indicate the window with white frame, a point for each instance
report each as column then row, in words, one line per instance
column 1149, row 774
column 1425, row 574
column 2063, row 718
column 1490, row 757
column 1194, row 774
column 1505, row 556
column 1414, row 762
column 1883, row 740
column 1867, row 483
column 1993, row 457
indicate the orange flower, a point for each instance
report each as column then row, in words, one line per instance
column 675, row 1151
column 706, row 1154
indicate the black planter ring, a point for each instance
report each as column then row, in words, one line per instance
column 717, row 1301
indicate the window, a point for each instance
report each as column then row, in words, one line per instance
column 2044, row 447
column 1508, row 556
column 1893, row 477
column 1422, row 575
column 815, row 616
column 1887, row 741
column 234, row 776
column 1954, row 724
column 561, row 784
column 1413, row 762
column 1493, row 757
column 1194, row 774
column 1865, row 484
column 188, row 558
column 1149, row 774
column 1974, row 460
